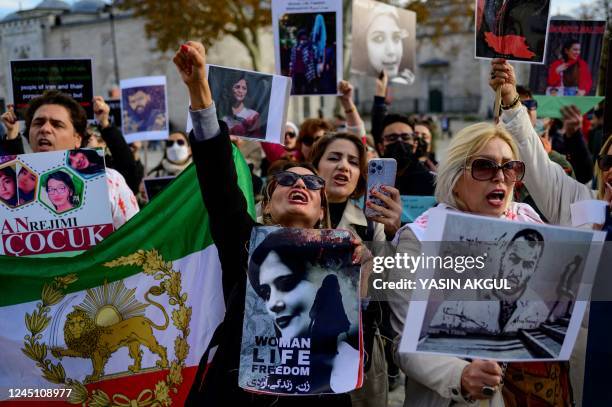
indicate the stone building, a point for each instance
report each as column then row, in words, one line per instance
column 55, row 29
column 449, row 79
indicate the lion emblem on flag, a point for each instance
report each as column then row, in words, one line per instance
column 110, row 318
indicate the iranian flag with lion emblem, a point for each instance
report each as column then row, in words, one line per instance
column 123, row 324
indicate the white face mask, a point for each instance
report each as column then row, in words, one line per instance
column 177, row 153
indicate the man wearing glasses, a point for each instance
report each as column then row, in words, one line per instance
column 398, row 142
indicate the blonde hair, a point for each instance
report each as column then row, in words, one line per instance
column 601, row 190
column 466, row 143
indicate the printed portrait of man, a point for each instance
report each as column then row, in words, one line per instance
column 506, row 311
column 513, row 29
column 143, row 109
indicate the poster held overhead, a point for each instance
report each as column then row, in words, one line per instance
column 31, row 78
column 512, row 29
column 573, row 54
column 144, row 108
column 308, row 44
column 252, row 104
column 301, row 331
column 384, row 37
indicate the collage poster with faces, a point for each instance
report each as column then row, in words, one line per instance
column 53, row 202
column 543, row 280
column 301, row 332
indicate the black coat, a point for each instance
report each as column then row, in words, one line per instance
column 230, row 226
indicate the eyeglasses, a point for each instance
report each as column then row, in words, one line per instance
column 55, row 191
column 530, row 104
column 288, row 179
column 290, row 134
column 604, row 162
column 393, row 137
column 309, row 140
column 180, row 142
column 485, row 170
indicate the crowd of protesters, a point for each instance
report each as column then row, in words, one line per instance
column 535, row 168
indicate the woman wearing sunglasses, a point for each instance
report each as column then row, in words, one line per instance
column 177, row 157
column 294, row 197
column 552, row 190
column 477, row 177
column 311, row 130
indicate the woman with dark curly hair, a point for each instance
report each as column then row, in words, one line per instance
column 86, row 161
column 240, row 120
column 570, row 72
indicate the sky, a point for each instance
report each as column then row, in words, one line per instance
column 9, row 6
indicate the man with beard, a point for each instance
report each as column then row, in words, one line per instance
column 508, row 310
column 141, row 114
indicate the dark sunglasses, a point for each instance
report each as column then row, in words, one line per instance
column 290, row 134
column 530, row 104
column 180, row 142
column 309, row 140
column 604, row 162
column 288, row 179
column 485, row 170
column 393, row 137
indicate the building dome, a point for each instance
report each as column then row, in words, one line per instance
column 52, row 5
column 87, row 6
column 11, row 17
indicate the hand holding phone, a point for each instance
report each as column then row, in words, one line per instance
column 381, row 171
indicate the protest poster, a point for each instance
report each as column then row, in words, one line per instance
column 252, row 104
column 512, row 29
column 388, row 34
column 31, row 78
column 301, row 332
column 114, row 116
column 525, row 301
column 56, row 202
column 308, row 44
column 144, row 108
column 414, row 205
column 573, row 54
column 148, row 300
column 154, row 186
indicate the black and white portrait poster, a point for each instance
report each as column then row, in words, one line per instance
column 144, row 108
column 573, row 54
column 252, row 104
column 301, row 332
column 308, row 44
column 541, row 278
column 512, row 29
column 384, row 38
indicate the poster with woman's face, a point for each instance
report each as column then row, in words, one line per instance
column 301, row 323
column 572, row 59
column 384, row 38
column 511, row 29
column 53, row 202
column 252, row 104
column 308, row 44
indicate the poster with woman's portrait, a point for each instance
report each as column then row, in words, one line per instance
column 511, row 29
column 384, row 38
column 252, row 104
column 506, row 291
column 301, row 331
column 308, row 44
column 573, row 55
column 54, row 202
